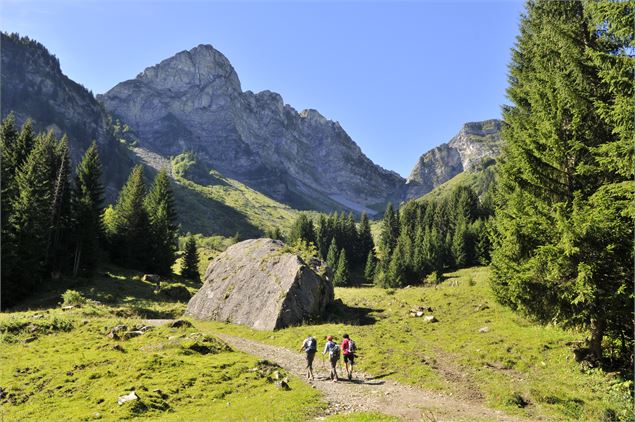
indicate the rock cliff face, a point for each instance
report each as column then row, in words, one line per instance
column 193, row 101
column 256, row 283
column 33, row 85
column 475, row 142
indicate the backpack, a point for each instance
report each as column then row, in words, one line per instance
column 335, row 351
column 311, row 345
column 352, row 347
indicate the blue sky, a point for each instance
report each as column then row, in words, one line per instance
column 400, row 77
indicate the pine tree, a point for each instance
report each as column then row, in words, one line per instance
column 332, row 256
column 369, row 268
column 60, row 211
column 302, row 229
column 459, row 244
column 396, row 272
column 390, row 231
column 127, row 226
column 87, row 205
column 365, row 244
column 549, row 260
column 30, row 221
column 8, row 251
column 341, row 276
column 190, row 260
column 159, row 205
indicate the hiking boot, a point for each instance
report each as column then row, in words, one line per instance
column 350, row 377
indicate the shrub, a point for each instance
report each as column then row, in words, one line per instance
column 73, row 298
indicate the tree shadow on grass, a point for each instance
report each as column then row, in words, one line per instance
column 340, row 313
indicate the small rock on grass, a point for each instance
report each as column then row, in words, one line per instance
column 180, row 323
column 484, row 330
column 127, row 397
column 430, row 318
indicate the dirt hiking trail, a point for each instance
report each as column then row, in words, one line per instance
column 366, row 393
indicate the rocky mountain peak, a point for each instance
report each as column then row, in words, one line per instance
column 198, row 67
column 193, row 102
column 475, row 142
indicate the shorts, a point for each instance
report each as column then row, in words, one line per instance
column 309, row 358
column 333, row 362
column 349, row 358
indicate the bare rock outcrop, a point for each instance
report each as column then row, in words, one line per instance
column 260, row 284
column 475, row 142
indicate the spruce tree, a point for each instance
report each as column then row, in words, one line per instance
column 87, row 206
column 8, row 138
column 369, row 268
column 159, row 205
column 341, row 276
column 190, row 260
column 396, row 272
column 390, row 231
column 127, row 226
column 555, row 203
column 30, row 221
column 60, row 211
column 365, row 244
column 302, row 229
column 332, row 256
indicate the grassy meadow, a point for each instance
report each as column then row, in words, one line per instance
column 69, row 369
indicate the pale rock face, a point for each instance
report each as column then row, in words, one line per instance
column 475, row 142
column 193, row 101
column 257, row 284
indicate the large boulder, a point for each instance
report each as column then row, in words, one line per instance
column 260, row 284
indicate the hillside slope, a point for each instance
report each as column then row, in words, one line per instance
column 33, row 86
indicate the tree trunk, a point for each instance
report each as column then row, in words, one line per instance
column 595, row 343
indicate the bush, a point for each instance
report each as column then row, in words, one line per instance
column 73, row 298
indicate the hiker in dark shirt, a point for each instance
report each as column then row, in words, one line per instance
column 334, row 355
column 309, row 346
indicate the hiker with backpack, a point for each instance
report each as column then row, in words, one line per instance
column 309, row 346
column 348, row 350
column 334, row 356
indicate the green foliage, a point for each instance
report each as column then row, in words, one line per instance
column 341, row 276
column 369, row 268
column 87, row 205
column 127, row 224
column 73, row 298
column 302, row 229
column 159, row 205
column 332, row 256
column 190, row 260
column 390, row 231
column 305, row 250
column 564, row 234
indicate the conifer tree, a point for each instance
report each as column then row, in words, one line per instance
column 369, row 268
column 60, row 211
column 8, row 138
column 341, row 276
column 159, row 205
column 190, row 260
column 87, row 206
column 127, row 226
column 302, row 229
column 365, row 244
column 396, row 272
column 555, row 207
column 390, row 231
column 30, row 220
column 332, row 256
